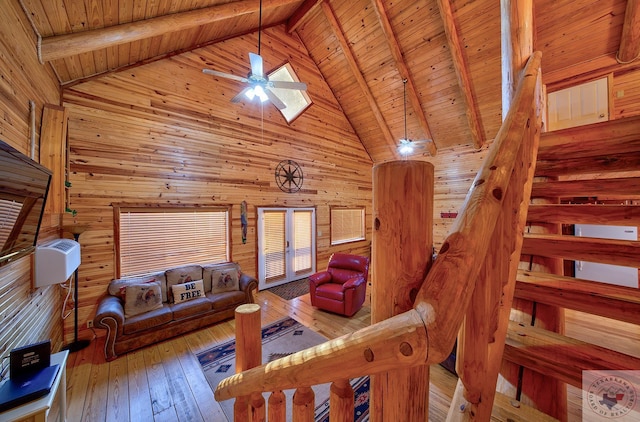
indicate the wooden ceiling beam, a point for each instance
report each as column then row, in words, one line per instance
column 301, row 14
column 412, row 93
column 630, row 40
column 353, row 65
column 462, row 73
column 60, row 46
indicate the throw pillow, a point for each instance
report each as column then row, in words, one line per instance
column 141, row 298
column 187, row 291
column 224, row 281
column 124, row 288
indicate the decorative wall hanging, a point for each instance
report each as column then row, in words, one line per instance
column 289, row 176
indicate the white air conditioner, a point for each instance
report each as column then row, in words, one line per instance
column 56, row 261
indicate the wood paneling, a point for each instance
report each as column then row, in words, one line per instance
column 165, row 133
column 27, row 315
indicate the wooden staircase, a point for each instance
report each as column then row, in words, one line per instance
column 591, row 173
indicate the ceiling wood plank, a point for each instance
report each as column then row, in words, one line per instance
column 412, row 93
column 460, row 66
column 61, row 46
column 301, row 14
column 630, row 41
column 362, row 83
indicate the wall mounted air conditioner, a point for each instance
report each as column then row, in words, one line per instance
column 56, row 261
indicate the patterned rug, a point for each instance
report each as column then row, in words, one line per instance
column 291, row 290
column 279, row 339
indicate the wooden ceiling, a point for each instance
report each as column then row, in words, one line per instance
column 447, row 51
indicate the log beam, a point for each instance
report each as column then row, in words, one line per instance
column 60, row 46
column 460, row 66
column 630, row 40
column 403, row 69
column 357, row 74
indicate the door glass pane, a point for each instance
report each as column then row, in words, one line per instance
column 274, row 245
column 302, row 241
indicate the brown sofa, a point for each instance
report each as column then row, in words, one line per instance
column 128, row 331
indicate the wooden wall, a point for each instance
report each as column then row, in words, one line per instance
column 26, row 315
column 165, row 133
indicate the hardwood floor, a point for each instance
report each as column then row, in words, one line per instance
column 164, row 382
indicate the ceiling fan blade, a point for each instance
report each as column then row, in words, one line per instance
column 241, row 95
column 224, row 75
column 256, row 65
column 275, row 100
column 288, row 85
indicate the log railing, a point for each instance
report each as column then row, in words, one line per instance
column 481, row 253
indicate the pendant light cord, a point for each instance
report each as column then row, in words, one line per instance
column 404, row 101
column 259, row 26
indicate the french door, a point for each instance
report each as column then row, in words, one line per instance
column 286, row 245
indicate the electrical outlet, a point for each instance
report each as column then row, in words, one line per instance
column 90, row 323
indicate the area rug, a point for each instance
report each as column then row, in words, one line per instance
column 292, row 289
column 280, row 339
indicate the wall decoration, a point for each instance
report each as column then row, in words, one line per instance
column 289, row 176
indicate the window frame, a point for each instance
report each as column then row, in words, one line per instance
column 120, row 209
column 363, row 235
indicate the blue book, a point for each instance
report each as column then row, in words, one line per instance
column 20, row 390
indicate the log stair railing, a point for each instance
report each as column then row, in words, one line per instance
column 610, row 151
column 477, row 255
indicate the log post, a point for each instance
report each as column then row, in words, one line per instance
column 303, row 405
column 401, row 256
column 248, row 355
column 545, row 393
column 277, row 407
column 341, row 401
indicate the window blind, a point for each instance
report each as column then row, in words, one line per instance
column 347, row 225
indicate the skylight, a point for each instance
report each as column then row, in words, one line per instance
column 296, row 101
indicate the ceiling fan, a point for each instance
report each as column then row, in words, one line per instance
column 408, row 146
column 258, row 84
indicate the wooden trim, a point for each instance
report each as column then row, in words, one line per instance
column 460, row 66
column 357, row 74
column 412, row 92
column 616, row 215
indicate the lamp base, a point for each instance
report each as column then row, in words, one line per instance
column 76, row 345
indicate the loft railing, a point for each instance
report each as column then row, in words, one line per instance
column 480, row 253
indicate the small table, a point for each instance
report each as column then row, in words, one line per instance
column 38, row 410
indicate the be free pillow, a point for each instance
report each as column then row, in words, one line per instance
column 187, row 291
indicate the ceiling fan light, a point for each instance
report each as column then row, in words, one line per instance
column 250, row 93
column 405, row 148
column 259, row 92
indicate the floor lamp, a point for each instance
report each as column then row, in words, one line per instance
column 76, row 345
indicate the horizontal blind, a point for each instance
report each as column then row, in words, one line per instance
column 275, row 245
column 9, row 213
column 302, row 241
column 347, row 225
column 159, row 239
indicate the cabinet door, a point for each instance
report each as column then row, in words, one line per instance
column 578, row 105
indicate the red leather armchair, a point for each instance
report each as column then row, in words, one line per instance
column 341, row 288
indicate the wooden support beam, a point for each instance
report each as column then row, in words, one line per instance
column 61, row 46
column 599, row 139
column 623, row 187
column 460, row 66
column 607, row 300
column 630, row 40
column 561, row 357
column 604, row 251
column 614, row 215
column 301, row 14
column 403, row 69
column 585, row 165
column 357, row 74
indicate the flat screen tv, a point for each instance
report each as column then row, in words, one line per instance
column 23, row 192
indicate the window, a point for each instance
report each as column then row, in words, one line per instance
column 296, row 101
column 153, row 239
column 347, row 225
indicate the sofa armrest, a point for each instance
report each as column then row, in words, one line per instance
column 110, row 316
column 353, row 282
column 248, row 284
column 320, row 278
